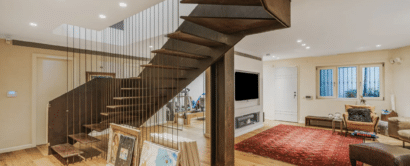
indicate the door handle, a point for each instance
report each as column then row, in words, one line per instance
column 294, row 95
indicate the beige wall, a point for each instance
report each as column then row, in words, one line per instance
column 401, row 81
column 16, row 74
column 396, row 81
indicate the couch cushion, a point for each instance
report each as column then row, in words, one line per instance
column 404, row 134
column 399, row 119
column 402, row 122
column 379, row 154
column 359, row 115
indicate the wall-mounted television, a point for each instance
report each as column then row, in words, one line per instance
column 246, row 86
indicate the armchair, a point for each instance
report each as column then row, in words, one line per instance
column 362, row 126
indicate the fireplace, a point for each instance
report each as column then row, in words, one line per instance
column 247, row 120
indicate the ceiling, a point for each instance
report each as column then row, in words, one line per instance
column 16, row 16
column 333, row 27
column 328, row 26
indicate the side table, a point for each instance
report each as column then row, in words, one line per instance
column 340, row 121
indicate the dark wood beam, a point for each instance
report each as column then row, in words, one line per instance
column 248, row 56
column 222, row 111
column 69, row 49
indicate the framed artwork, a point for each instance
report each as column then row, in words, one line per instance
column 125, row 151
column 156, row 155
column 116, row 132
column 91, row 75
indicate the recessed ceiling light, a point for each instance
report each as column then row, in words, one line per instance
column 378, row 45
column 303, row 44
column 122, row 4
column 307, row 47
column 299, row 41
column 151, row 46
column 103, row 16
column 33, row 24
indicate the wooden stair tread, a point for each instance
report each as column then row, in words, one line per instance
column 179, row 54
column 134, row 89
column 234, row 25
column 83, row 138
column 124, row 106
column 179, row 35
column 226, row 2
column 147, row 88
column 169, row 67
column 165, row 78
column 97, row 127
column 66, row 150
column 136, row 97
column 118, row 112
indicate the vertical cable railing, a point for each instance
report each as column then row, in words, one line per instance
column 109, row 68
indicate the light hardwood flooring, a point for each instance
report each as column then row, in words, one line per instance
column 38, row 156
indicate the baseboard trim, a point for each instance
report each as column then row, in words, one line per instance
column 11, row 149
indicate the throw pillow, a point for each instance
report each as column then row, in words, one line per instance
column 359, row 115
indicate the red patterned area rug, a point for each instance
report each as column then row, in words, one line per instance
column 301, row 146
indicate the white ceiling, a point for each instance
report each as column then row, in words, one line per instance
column 335, row 26
column 16, row 15
column 327, row 26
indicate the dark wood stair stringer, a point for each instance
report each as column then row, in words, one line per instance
column 225, row 2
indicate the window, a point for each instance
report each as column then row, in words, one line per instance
column 371, row 81
column 350, row 82
column 326, row 83
column 347, row 78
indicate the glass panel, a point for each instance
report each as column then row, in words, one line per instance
column 371, row 81
column 347, row 82
column 326, row 82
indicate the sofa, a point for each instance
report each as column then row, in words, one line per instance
column 370, row 126
column 399, row 127
column 378, row 154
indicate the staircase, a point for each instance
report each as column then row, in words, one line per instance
column 212, row 29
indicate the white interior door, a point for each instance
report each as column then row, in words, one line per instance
column 286, row 94
column 51, row 83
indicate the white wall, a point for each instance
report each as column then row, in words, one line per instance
column 197, row 87
column 250, row 106
column 396, row 82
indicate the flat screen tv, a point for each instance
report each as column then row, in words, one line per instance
column 246, row 86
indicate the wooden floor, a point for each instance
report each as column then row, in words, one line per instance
column 38, row 156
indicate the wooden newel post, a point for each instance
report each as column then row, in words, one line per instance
column 222, row 111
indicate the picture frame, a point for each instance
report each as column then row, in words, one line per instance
column 115, row 132
column 157, row 155
column 92, row 75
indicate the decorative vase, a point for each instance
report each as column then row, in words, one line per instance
column 330, row 116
